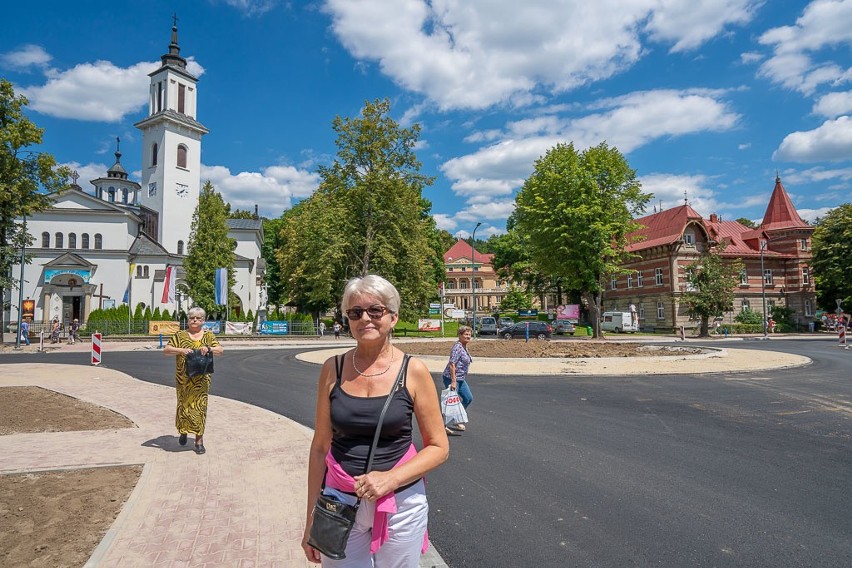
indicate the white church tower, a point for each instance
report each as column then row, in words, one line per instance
column 171, row 154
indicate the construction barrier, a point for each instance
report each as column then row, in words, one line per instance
column 96, row 349
column 841, row 336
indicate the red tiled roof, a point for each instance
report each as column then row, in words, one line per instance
column 780, row 214
column 663, row 228
column 462, row 250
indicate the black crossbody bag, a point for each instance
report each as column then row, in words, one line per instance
column 333, row 519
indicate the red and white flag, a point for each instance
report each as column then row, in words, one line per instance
column 169, row 286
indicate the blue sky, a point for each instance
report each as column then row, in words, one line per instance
column 707, row 97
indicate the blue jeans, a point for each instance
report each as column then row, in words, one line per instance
column 461, row 387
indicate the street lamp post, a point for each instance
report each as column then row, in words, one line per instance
column 21, row 287
column 473, row 278
column 763, row 287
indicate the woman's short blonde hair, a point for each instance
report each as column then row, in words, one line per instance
column 371, row 285
column 197, row 310
column 464, row 329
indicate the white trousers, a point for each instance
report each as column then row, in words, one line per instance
column 406, row 529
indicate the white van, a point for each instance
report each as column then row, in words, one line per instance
column 619, row 322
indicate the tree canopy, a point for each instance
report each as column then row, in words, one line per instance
column 209, row 248
column 27, row 178
column 367, row 216
column 711, row 285
column 832, row 258
column 576, row 211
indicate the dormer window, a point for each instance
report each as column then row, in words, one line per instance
column 689, row 238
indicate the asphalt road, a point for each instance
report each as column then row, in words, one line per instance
column 706, row 470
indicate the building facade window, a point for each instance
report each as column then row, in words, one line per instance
column 746, row 305
column 808, row 308
column 124, row 195
column 689, row 238
column 45, row 240
column 661, row 311
column 59, row 241
column 658, row 276
column 154, row 149
column 638, row 278
column 767, row 276
column 99, row 241
column 451, row 284
column 806, row 276
column 630, row 281
column 462, row 284
column 99, row 192
column 804, row 244
column 72, row 240
column 641, row 311
column 85, row 240
column 613, row 282
column 770, row 305
column 138, row 271
column 743, row 276
column 152, row 189
column 181, row 98
column 145, row 272
column 180, row 247
column 181, row 156
column 111, row 195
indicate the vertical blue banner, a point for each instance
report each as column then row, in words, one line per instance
column 221, row 286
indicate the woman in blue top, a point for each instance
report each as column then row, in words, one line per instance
column 455, row 375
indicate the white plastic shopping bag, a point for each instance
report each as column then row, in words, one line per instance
column 451, row 407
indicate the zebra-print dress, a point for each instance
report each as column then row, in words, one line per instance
column 191, row 392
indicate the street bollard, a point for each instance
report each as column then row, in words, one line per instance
column 726, row 332
column 161, row 342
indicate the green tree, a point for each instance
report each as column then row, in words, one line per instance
column 832, row 258
column 576, row 210
column 367, row 216
column 516, row 299
column 711, row 285
column 273, row 277
column 27, row 177
column 209, row 248
column 747, row 222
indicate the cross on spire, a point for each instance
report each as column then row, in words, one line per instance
column 174, row 19
column 75, row 176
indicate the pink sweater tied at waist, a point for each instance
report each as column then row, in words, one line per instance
column 337, row 478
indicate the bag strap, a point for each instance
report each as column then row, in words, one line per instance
column 399, row 380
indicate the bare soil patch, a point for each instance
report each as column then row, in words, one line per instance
column 34, row 409
column 511, row 348
column 57, row 518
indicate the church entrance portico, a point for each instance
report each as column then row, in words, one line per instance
column 66, row 296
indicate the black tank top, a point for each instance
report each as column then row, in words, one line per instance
column 354, row 420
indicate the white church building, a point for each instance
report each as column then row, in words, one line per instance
column 112, row 245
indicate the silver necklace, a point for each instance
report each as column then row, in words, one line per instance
column 362, row 373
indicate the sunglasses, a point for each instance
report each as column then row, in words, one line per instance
column 375, row 312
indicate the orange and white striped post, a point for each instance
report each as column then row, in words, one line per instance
column 96, row 349
column 841, row 334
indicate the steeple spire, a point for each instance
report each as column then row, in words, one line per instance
column 173, row 56
column 117, row 170
column 781, row 214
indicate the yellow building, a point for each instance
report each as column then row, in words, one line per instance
column 469, row 276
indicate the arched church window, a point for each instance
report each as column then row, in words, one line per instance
column 145, row 271
column 111, row 194
column 138, row 271
column 60, row 242
column 181, row 156
column 154, row 149
column 99, row 241
column 45, row 240
column 180, row 247
column 72, row 240
column 85, row 239
column 124, row 195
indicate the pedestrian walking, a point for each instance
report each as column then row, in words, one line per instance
column 191, row 414
column 25, row 331
column 54, row 330
column 455, row 373
column 74, row 331
column 336, row 327
column 321, row 328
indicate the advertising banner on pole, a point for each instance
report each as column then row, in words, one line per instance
column 429, row 325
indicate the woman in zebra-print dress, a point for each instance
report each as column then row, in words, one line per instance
column 192, row 391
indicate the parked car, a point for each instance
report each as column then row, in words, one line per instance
column 538, row 329
column 619, row 322
column 487, row 326
column 504, row 321
column 564, row 326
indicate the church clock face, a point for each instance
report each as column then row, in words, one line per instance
column 182, row 190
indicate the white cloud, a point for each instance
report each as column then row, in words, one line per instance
column 479, row 53
column 823, row 23
column 817, row 175
column 669, row 189
column 87, row 173
column 811, row 215
column 271, row 190
column 690, row 24
column 252, row 7
column 830, row 142
column 98, row 91
column 744, row 146
column 750, row 57
column 627, row 123
column 834, row 104
column 26, row 56
column 445, row 222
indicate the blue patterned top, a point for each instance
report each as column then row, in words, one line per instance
column 461, row 359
